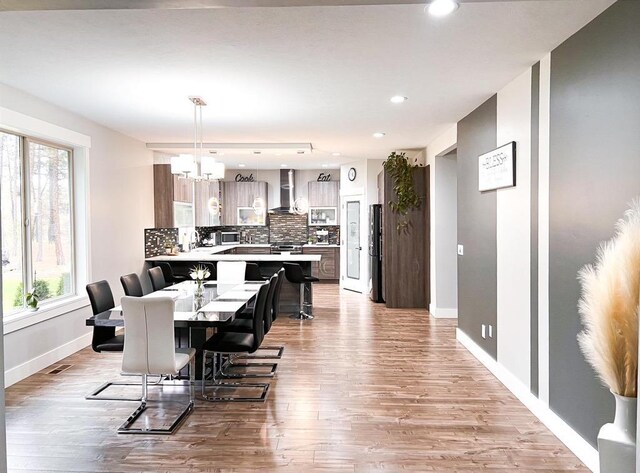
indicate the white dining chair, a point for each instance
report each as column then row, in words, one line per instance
column 149, row 349
column 231, row 271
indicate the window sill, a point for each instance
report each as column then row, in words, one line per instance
column 27, row 318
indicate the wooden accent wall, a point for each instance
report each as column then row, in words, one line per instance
column 163, row 195
column 406, row 259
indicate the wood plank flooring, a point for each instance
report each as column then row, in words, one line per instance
column 360, row 389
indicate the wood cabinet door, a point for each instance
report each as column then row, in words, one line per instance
column 163, row 195
column 324, row 194
column 182, row 189
column 328, row 268
column 230, row 203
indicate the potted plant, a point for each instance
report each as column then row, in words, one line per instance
column 32, row 298
column 609, row 308
column 400, row 170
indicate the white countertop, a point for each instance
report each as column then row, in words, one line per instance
column 212, row 256
column 316, row 245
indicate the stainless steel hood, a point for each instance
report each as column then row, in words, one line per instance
column 287, row 196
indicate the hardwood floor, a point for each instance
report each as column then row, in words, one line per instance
column 360, row 388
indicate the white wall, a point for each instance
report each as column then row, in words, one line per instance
column 121, row 207
column 441, row 283
column 446, row 232
column 513, row 233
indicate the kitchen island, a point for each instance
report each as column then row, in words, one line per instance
column 268, row 264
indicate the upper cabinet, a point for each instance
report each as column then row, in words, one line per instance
column 182, row 189
column 324, row 194
column 207, row 196
column 163, row 195
column 241, row 194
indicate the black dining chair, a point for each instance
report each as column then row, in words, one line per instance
column 169, row 276
column 252, row 273
column 158, row 282
column 275, row 310
column 246, row 326
column 295, row 275
column 131, row 285
column 104, row 338
column 233, row 343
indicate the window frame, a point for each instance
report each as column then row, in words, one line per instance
column 26, row 229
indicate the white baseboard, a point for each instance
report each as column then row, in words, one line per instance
column 40, row 362
column 574, row 442
column 443, row 313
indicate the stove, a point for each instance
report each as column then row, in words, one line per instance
column 295, row 248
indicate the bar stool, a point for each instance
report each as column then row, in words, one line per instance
column 295, row 275
column 169, row 275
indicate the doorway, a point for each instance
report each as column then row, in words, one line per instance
column 354, row 270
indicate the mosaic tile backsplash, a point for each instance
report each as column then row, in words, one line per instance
column 156, row 238
column 280, row 228
column 288, row 228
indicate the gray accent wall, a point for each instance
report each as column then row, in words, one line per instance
column 594, row 174
column 477, row 280
column 535, row 183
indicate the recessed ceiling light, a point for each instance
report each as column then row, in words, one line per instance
column 257, row 152
column 440, row 8
column 325, row 165
column 335, row 154
column 283, row 165
column 378, row 134
column 398, row 99
column 241, row 165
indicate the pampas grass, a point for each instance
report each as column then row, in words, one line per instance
column 610, row 305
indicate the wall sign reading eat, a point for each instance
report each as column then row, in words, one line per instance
column 241, row 178
column 322, row 177
column 497, row 168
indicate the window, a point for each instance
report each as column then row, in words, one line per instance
column 37, row 251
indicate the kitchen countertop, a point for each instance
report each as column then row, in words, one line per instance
column 315, row 245
column 203, row 256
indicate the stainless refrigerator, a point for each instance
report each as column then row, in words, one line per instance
column 375, row 253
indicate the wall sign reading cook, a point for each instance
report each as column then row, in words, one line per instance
column 497, row 168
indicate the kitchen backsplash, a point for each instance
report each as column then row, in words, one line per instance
column 288, row 228
column 281, row 228
column 155, row 240
column 257, row 235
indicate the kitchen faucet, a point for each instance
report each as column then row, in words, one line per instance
column 194, row 243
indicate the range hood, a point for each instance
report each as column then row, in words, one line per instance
column 287, row 198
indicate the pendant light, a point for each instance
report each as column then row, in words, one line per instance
column 259, row 205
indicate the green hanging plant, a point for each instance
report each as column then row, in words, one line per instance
column 407, row 199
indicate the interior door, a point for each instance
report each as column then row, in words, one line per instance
column 354, row 270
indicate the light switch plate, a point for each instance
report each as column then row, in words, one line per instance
column 484, row 331
column 490, row 331
column 461, row 250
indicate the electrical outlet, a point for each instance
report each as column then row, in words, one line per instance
column 461, row 250
column 490, row 331
column 484, row 331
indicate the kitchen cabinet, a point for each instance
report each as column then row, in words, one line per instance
column 182, row 189
column 253, row 250
column 207, row 195
column 328, row 268
column 241, row 194
column 163, row 196
column 324, row 194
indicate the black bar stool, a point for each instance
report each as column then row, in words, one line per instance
column 294, row 274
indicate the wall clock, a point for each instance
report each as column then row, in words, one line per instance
column 352, row 174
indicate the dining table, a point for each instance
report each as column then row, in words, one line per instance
column 198, row 312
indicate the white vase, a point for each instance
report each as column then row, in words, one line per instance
column 617, row 441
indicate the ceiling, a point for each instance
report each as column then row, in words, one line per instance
column 320, row 75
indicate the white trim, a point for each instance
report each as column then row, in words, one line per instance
column 26, row 318
column 543, row 230
column 40, row 362
column 36, row 128
column 443, row 312
column 574, row 442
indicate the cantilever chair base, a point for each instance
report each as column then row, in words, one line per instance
column 127, row 429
